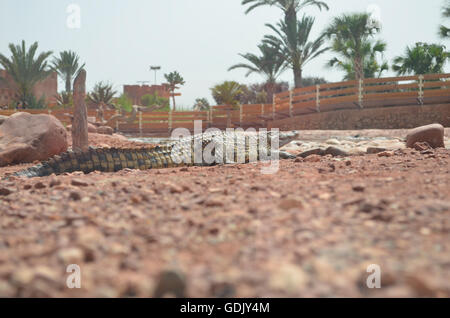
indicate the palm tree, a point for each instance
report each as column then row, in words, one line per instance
column 270, row 64
column 422, row 59
column 227, row 93
column 67, row 66
column 444, row 32
column 292, row 41
column 351, row 38
column 102, row 94
column 290, row 8
column 371, row 67
column 25, row 69
column 174, row 79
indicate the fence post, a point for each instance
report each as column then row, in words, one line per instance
column 421, row 78
column 290, row 103
column 273, row 107
column 170, row 120
column 318, row 98
column 140, row 123
column 240, row 115
column 360, row 93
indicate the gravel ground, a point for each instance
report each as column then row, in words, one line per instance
column 310, row 230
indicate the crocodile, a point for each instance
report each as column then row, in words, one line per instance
column 244, row 148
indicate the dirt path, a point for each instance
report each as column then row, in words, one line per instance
column 311, row 229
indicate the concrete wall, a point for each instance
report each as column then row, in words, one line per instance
column 375, row 118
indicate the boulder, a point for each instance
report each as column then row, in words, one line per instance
column 105, row 130
column 3, row 118
column 91, row 128
column 27, row 138
column 431, row 134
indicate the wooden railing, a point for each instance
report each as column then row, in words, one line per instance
column 369, row 93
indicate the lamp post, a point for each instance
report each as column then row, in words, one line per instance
column 155, row 68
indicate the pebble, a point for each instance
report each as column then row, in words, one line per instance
column 313, row 158
column 170, row 283
column 5, row 191
column 79, row 183
column 72, row 255
column 75, row 196
column 40, row 185
column 386, row 154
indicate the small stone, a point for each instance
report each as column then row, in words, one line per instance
column 39, row 185
column 170, row 283
column 173, row 188
column 5, row 191
column 54, row 182
column 313, row 158
column 213, row 203
column 375, row 150
column 359, row 188
column 422, row 146
column 297, row 160
column 425, row 231
column 75, row 196
column 79, row 183
column 288, row 204
column 386, row 154
column 72, row 255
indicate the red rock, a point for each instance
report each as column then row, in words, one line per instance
column 105, row 130
column 5, row 191
column 79, row 183
column 26, row 138
column 432, row 134
column 421, row 146
column 313, row 158
column 385, row 154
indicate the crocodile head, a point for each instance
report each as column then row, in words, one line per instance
column 288, row 136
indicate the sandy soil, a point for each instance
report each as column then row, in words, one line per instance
column 309, row 230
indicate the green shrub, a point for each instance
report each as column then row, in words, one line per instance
column 155, row 101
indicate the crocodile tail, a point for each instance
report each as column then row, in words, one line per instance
column 101, row 159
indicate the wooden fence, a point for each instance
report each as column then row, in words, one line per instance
column 369, row 93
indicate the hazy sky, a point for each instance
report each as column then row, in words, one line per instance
column 120, row 39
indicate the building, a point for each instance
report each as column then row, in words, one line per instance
column 47, row 88
column 135, row 92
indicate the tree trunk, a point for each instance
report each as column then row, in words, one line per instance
column 68, row 85
column 297, row 76
column 80, row 140
column 173, row 98
column 359, row 68
column 270, row 92
column 229, row 117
